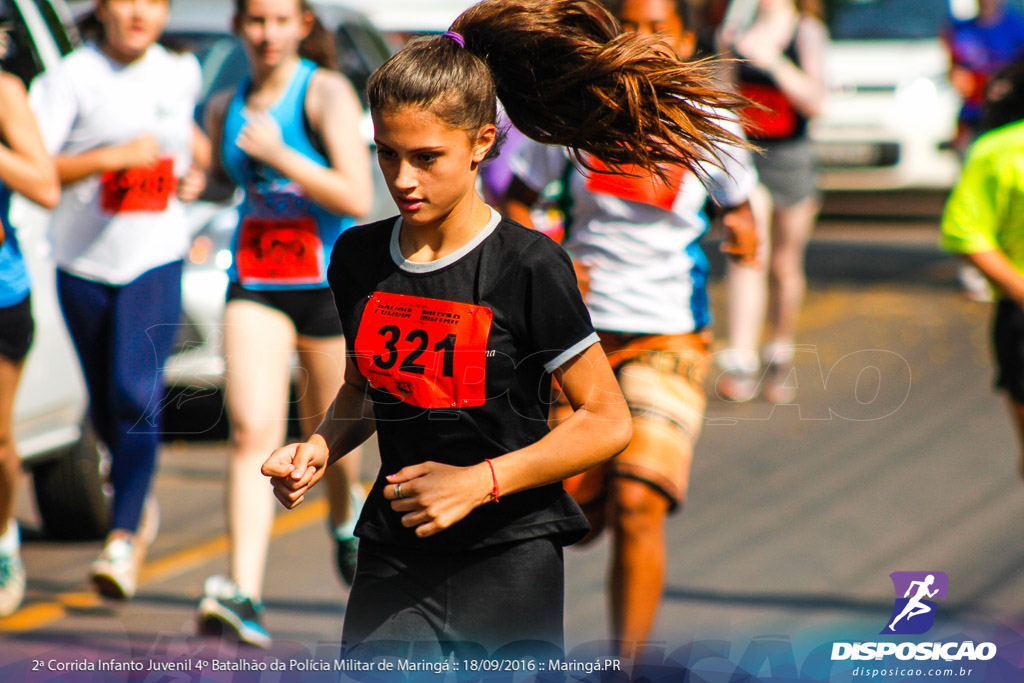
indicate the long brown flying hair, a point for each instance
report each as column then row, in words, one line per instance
column 566, row 76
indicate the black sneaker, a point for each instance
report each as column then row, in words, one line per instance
column 225, row 608
column 346, row 545
column 346, row 550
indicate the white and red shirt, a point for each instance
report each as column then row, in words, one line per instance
column 113, row 227
column 638, row 238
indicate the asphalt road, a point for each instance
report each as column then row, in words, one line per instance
column 898, row 455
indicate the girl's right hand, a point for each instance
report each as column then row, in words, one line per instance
column 295, row 468
column 142, row 151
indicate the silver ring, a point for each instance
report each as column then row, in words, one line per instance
column 398, row 490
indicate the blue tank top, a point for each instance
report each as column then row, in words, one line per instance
column 283, row 239
column 14, row 280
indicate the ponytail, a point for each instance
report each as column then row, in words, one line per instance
column 318, row 47
column 566, row 76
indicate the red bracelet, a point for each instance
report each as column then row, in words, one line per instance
column 494, row 478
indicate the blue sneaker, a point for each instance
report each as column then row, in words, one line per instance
column 12, row 584
column 225, row 606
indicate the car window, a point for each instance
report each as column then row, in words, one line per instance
column 18, row 54
column 887, row 19
column 224, row 66
column 61, row 28
column 361, row 51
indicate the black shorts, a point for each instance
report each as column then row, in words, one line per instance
column 16, row 329
column 418, row 605
column 312, row 311
column 1008, row 338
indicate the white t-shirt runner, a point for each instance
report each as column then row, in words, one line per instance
column 639, row 240
column 112, row 228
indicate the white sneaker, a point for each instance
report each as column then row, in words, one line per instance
column 12, row 584
column 115, row 573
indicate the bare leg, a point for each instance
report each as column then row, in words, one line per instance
column 258, row 343
column 1017, row 410
column 637, row 516
column 791, row 230
column 747, row 288
column 10, row 464
column 323, row 364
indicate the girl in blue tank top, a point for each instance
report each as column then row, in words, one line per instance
column 25, row 167
column 289, row 137
column 276, row 215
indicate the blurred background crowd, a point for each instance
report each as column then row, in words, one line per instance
column 904, row 88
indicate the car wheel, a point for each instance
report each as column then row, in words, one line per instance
column 72, row 493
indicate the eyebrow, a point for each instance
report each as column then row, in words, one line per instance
column 412, row 151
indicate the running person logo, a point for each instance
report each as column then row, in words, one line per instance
column 914, row 612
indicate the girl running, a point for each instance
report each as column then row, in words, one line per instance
column 783, row 53
column 636, row 239
column 460, row 319
column 25, row 167
column 289, row 136
column 117, row 116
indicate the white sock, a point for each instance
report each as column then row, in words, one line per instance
column 10, row 541
column 347, row 529
column 777, row 353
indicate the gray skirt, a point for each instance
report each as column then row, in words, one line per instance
column 788, row 169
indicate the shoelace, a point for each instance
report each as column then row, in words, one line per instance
column 7, row 568
column 118, row 551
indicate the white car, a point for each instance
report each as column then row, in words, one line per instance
column 402, row 18
column 51, row 430
column 891, row 111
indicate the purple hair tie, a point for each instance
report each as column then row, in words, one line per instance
column 461, row 41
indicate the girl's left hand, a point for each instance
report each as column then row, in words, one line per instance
column 192, row 185
column 261, row 138
column 436, row 496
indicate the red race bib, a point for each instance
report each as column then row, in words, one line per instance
column 144, row 188
column 776, row 121
column 281, row 251
column 428, row 352
column 639, row 186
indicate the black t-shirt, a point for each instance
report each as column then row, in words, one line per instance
column 457, row 354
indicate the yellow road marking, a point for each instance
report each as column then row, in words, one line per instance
column 190, row 558
column 32, row 617
column 81, row 600
column 41, row 614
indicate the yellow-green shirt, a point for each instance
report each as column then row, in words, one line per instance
column 985, row 211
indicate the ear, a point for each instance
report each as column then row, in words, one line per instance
column 308, row 19
column 687, row 45
column 485, row 138
column 99, row 8
column 236, row 24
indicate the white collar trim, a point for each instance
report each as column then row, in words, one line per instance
column 430, row 266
